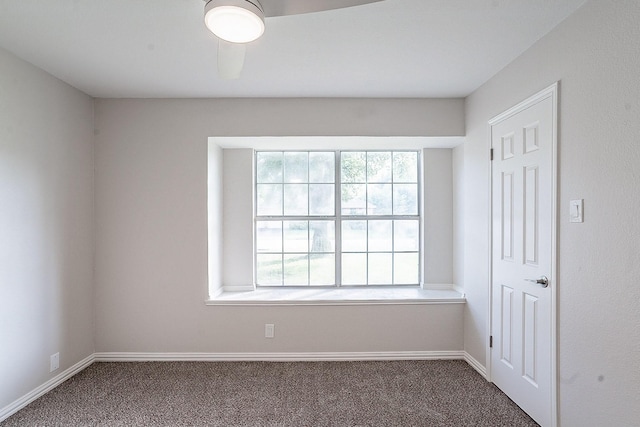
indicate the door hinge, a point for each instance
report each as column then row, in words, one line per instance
column 491, row 153
column 490, row 341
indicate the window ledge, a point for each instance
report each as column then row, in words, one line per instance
column 342, row 296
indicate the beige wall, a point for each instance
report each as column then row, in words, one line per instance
column 595, row 54
column 46, row 226
column 151, row 217
column 438, row 217
column 237, row 240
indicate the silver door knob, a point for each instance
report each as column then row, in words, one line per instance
column 542, row 281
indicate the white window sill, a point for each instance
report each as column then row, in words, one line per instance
column 341, row 296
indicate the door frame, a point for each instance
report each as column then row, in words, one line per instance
column 549, row 92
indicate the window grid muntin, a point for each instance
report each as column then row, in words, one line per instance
column 391, row 182
column 338, row 217
column 283, row 252
column 393, row 220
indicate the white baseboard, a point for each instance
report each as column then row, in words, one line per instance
column 482, row 370
column 54, row 382
column 279, row 357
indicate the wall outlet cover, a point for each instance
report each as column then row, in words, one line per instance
column 269, row 330
column 54, row 362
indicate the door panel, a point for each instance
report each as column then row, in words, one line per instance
column 522, row 361
column 507, row 216
column 529, row 319
column 531, row 197
column 506, row 329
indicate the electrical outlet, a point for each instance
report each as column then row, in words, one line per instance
column 269, row 330
column 54, row 362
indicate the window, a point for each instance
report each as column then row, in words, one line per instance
column 337, row 218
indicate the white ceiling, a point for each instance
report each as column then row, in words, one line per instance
column 393, row 48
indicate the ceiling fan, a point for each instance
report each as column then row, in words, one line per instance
column 238, row 22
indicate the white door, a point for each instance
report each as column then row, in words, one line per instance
column 523, row 140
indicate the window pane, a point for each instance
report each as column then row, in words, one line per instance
column 269, row 236
column 322, row 167
column 354, row 199
column 379, row 199
column 354, row 269
column 296, row 236
column 296, row 270
column 379, row 224
column 269, row 269
column 380, row 236
column 405, row 167
column 322, row 236
column 296, row 167
column 406, row 236
column 269, row 167
column 406, row 269
column 405, row 199
column 379, row 167
column 322, row 269
column 354, row 236
column 380, row 269
column 296, row 199
column 269, row 199
column 321, row 199
column 353, row 166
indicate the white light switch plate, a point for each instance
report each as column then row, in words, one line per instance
column 575, row 210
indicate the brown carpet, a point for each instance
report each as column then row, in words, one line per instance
column 390, row 393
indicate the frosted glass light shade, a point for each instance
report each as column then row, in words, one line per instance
column 236, row 21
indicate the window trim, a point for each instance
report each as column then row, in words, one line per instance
column 230, row 206
column 333, row 296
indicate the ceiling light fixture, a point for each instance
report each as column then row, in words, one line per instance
column 236, row 21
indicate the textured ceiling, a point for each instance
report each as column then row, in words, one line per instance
column 393, row 48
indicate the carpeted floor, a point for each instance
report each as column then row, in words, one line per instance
column 390, row 393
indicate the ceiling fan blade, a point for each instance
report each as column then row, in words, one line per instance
column 295, row 7
column 230, row 59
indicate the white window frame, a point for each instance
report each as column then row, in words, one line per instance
column 338, row 218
